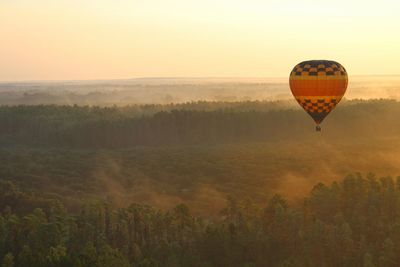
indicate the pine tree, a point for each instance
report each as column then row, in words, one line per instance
column 8, row 260
column 367, row 261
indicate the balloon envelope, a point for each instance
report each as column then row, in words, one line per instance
column 318, row 86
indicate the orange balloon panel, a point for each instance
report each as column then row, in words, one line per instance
column 318, row 86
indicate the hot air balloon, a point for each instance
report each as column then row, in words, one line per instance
column 318, row 86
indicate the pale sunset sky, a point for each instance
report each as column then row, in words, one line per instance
column 119, row 39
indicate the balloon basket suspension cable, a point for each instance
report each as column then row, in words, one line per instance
column 318, row 128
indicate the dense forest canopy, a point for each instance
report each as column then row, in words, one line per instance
column 352, row 222
column 189, row 124
column 197, row 153
column 69, row 176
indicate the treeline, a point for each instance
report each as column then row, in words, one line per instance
column 354, row 222
column 191, row 124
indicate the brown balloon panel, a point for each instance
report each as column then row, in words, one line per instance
column 318, row 86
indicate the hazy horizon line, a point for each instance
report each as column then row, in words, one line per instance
column 173, row 78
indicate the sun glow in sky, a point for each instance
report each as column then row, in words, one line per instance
column 99, row 39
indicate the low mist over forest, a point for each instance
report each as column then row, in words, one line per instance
column 177, row 90
column 147, row 174
column 199, row 153
column 199, row 133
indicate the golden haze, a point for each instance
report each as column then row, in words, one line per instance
column 46, row 40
